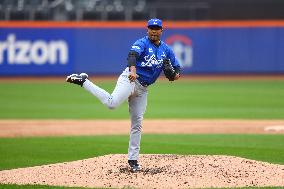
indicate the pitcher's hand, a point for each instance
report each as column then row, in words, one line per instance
column 132, row 76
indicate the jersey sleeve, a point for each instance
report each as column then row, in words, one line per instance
column 138, row 47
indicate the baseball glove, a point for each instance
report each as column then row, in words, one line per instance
column 168, row 69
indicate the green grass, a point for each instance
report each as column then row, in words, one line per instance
column 182, row 99
column 218, row 99
column 178, row 100
column 52, row 101
column 24, row 152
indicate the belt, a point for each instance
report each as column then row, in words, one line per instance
column 143, row 83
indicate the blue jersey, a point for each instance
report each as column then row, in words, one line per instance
column 149, row 63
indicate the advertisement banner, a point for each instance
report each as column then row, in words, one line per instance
column 31, row 51
column 102, row 50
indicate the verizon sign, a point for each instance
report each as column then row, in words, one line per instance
column 37, row 52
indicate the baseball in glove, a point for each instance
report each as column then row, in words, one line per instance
column 168, row 69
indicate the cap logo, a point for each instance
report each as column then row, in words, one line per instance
column 155, row 22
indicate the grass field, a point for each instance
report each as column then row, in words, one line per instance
column 186, row 99
column 24, row 152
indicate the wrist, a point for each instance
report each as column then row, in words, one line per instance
column 177, row 76
column 132, row 68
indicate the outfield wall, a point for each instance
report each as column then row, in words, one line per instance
column 60, row 48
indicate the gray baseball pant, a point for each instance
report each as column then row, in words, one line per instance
column 137, row 102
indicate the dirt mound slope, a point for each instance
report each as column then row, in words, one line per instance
column 158, row 171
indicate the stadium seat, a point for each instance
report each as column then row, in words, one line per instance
column 19, row 15
column 41, row 15
column 92, row 15
column 2, row 15
column 115, row 15
column 140, row 15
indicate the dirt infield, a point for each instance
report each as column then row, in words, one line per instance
column 22, row 128
column 158, row 171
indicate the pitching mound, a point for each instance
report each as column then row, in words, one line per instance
column 158, row 171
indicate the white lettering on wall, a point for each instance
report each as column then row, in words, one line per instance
column 37, row 52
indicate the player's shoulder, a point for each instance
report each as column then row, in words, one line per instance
column 139, row 44
column 166, row 47
column 142, row 40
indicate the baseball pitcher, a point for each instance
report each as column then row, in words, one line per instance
column 147, row 58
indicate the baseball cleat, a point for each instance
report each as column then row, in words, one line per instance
column 134, row 166
column 77, row 79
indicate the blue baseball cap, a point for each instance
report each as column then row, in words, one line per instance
column 155, row 22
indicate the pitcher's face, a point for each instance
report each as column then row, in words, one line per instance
column 154, row 33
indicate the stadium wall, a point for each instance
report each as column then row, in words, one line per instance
column 60, row 48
